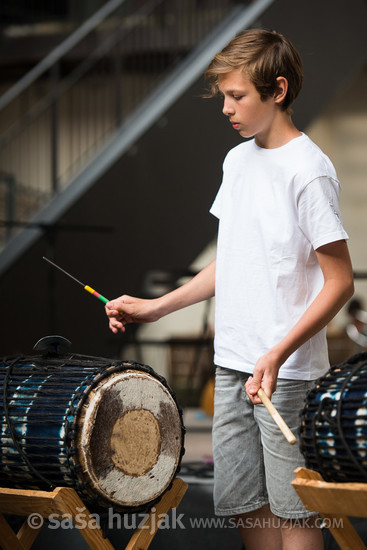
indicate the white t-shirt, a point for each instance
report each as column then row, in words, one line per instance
column 275, row 208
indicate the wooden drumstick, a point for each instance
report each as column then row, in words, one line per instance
column 276, row 417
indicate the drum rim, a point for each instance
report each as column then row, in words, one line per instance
column 85, row 461
column 122, row 366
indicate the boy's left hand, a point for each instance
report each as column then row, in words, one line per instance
column 264, row 376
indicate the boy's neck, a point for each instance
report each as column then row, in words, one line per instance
column 278, row 134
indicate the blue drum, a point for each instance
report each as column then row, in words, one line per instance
column 333, row 430
column 112, row 430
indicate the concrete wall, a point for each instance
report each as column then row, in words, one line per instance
column 341, row 131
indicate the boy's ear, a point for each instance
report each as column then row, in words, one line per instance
column 281, row 90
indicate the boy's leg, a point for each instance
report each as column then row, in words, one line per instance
column 298, row 537
column 299, row 527
column 240, row 489
column 260, row 529
column 239, row 478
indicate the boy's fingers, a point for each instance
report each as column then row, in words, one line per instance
column 252, row 385
column 112, row 310
column 111, row 305
column 268, row 389
column 116, row 327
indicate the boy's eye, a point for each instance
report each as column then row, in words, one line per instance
column 237, row 97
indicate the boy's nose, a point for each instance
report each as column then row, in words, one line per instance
column 227, row 108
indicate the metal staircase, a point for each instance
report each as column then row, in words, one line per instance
column 78, row 99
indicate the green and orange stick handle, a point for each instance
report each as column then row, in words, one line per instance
column 86, row 287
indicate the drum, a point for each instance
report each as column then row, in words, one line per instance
column 112, row 430
column 333, row 431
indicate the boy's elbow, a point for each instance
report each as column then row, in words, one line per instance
column 348, row 289
column 352, row 289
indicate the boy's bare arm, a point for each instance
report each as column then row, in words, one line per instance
column 338, row 288
column 127, row 309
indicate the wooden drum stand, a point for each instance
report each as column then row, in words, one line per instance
column 334, row 502
column 64, row 500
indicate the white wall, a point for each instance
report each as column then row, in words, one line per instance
column 341, row 132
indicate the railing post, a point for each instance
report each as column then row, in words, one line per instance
column 118, row 87
column 10, row 199
column 54, row 129
column 10, row 205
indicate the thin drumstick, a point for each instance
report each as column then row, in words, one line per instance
column 86, row 287
column 284, row 428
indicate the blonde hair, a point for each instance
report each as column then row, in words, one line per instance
column 263, row 56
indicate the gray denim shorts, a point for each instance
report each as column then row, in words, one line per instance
column 253, row 462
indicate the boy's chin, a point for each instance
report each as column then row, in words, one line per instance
column 245, row 135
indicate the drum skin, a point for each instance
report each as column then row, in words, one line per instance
column 333, row 430
column 112, row 430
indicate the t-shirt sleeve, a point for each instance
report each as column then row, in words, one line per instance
column 319, row 212
column 216, row 206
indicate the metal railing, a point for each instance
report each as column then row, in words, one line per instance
column 56, row 118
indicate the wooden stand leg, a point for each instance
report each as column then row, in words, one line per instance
column 65, row 501
column 334, row 502
column 143, row 536
column 68, row 502
column 61, row 501
column 10, row 541
column 27, row 535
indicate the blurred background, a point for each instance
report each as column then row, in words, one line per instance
column 110, row 159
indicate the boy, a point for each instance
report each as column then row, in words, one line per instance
column 282, row 273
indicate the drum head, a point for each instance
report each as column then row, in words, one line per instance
column 130, row 438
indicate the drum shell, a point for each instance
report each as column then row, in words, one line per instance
column 46, row 399
column 333, row 429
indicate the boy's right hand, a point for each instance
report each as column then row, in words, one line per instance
column 127, row 309
column 264, row 376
